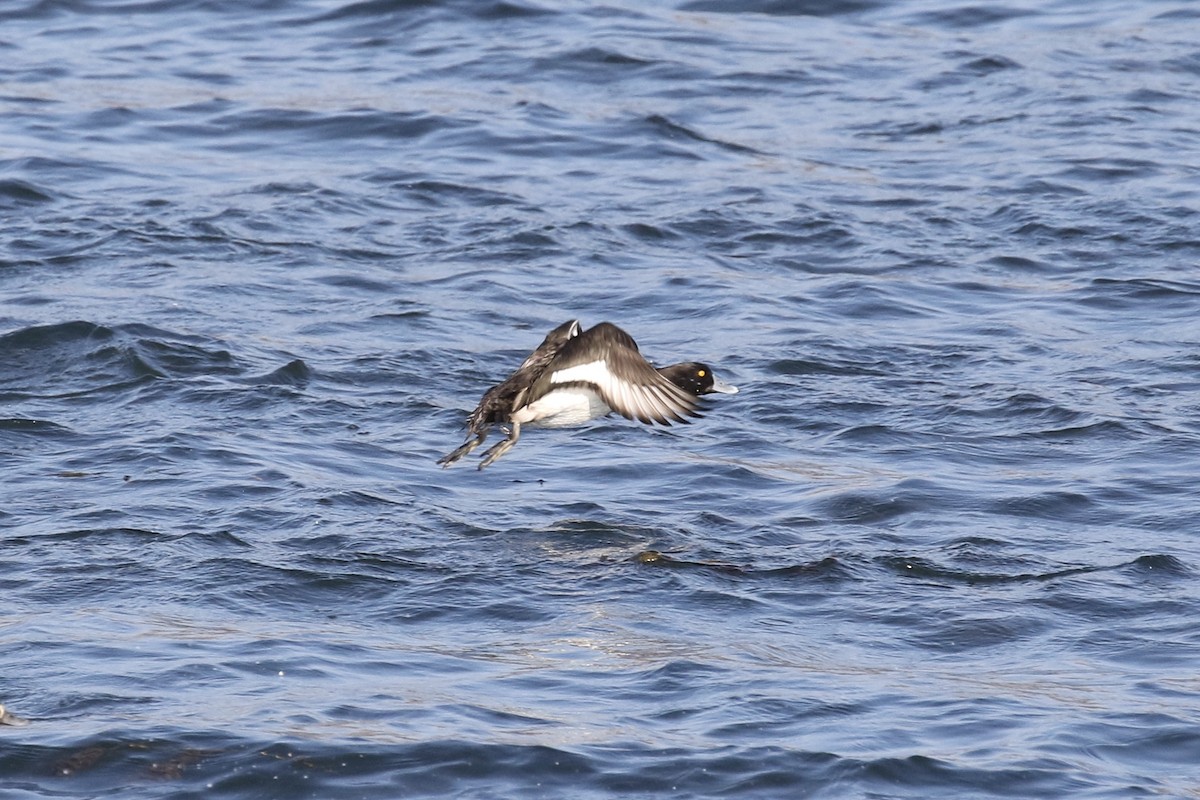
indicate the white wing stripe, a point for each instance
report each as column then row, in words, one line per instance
column 657, row 400
column 592, row 372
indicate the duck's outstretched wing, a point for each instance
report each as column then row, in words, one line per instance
column 606, row 360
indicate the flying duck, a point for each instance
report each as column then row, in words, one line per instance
column 574, row 376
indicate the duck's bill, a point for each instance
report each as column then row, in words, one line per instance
column 8, row 718
column 723, row 387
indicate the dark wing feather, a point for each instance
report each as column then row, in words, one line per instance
column 498, row 402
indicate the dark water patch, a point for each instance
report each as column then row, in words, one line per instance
column 1019, row 264
column 726, row 769
column 308, row 126
column 1116, row 602
column 109, row 119
column 59, row 171
column 986, row 65
column 975, row 542
column 828, row 568
column 1015, row 572
column 21, row 425
column 1180, row 13
column 1046, row 188
column 650, row 233
column 877, row 435
column 1109, row 431
column 1022, row 413
column 1158, row 739
column 783, row 8
column 969, row 71
column 15, row 193
column 966, row 17
column 599, row 57
column 1108, row 170
column 49, row 335
column 1059, row 506
column 441, row 194
column 67, row 360
column 783, row 717
column 902, row 131
column 350, row 564
column 673, row 129
column 816, row 235
column 1138, row 293
column 1156, row 646
column 381, row 17
column 78, row 358
column 406, row 315
column 294, row 373
column 720, row 227
column 952, row 778
column 1188, row 64
column 863, row 508
column 858, row 300
column 506, row 10
column 794, row 366
column 1152, row 99
column 145, row 766
column 290, row 588
column 1034, row 228
column 209, row 78
column 962, row 633
column 359, row 499
column 656, row 559
column 251, row 399
column 170, row 357
column 95, row 583
column 1166, row 565
column 358, row 283
column 597, row 532
column 99, row 537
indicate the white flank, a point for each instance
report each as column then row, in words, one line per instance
column 562, row 408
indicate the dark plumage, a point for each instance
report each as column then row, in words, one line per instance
column 576, row 375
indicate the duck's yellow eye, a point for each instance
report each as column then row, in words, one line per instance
column 700, row 373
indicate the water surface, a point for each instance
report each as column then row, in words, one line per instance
column 258, row 260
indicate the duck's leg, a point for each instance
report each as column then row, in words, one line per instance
column 500, row 448
column 466, row 447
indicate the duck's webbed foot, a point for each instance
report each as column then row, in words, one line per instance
column 500, row 448
column 470, row 444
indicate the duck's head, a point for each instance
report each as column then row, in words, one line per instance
column 696, row 378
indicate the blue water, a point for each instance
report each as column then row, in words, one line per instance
column 259, row 259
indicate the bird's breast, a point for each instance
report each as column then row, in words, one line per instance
column 562, row 408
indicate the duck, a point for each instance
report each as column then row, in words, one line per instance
column 577, row 375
